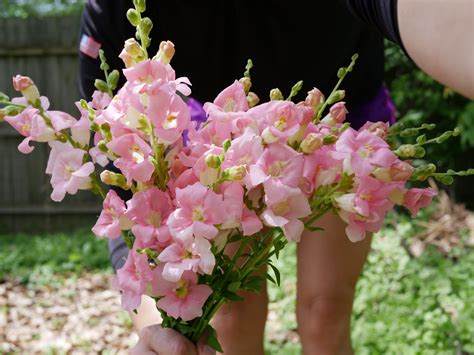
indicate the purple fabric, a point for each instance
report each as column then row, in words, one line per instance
column 379, row 108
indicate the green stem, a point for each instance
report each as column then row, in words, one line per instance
column 8, row 103
column 341, row 79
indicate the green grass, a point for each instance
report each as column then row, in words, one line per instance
column 403, row 305
column 25, row 257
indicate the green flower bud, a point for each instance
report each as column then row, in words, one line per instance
column 406, row 151
column 134, row 17
column 396, row 128
column 145, row 26
column 113, row 79
column 4, row 97
column 114, row 179
column 213, row 161
column 252, row 99
column 312, row 142
column 247, row 83
column 234, row 173
column 336, row 96
column 11, row 110
column 140, row 5
column 101, row 85
column 275, row 94
column 329, row 139
column 226, row 145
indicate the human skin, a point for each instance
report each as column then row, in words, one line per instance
column 437, row 34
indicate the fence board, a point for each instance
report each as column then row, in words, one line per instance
column 46, row 50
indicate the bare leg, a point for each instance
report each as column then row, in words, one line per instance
column 240, row 325
column 328, row 268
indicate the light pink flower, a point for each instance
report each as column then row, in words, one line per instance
column 199, row 210
column 363, row 151
column 194, row 254
column 337, row 114
column 31, row 126
column 415, row 199
column 244, row 150
column 238, row 215
column 68, row 171
column 112, row 219
column 232, row 99
column 365, row 209
column 278, row 163
column 207, row 175
column 170, row 116
column 183, row 299
column 134, row 155
column 285, row 207
column 100, row 100
column 278, row 120
column 149, row 211
column 151, row 76
column 21, row 83
column 132, row 279
column 61, row 120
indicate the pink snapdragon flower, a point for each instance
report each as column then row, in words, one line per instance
column 151, row 76
column 207, row 175
column 170, row 116
column 199, row 211
column 182, row 299
column 194, row 254
column 134, row 155
column 227, row 114
column 149, row 211
column 68, row 171
column 363, row 151
column 285, row 207
column 415, row 199
column 31, row 126
column 112, row 220
column 278, row 163
column 337, row 114
column 278, row 120
column 244, row 150
column 238, row 214
column 27, row 87
column 365, row 209
column 133, row 278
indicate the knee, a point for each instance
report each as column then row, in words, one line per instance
column 243, row 317
column 325, row 318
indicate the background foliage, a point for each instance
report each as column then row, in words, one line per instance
column 26, row 8
column 420, row 99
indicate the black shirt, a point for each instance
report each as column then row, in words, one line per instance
column 287, row 41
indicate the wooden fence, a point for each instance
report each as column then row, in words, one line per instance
column 46, row 50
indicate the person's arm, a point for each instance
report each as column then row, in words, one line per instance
column 436, row 34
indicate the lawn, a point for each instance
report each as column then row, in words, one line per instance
column 404, row 304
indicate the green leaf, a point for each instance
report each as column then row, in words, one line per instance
column 212, row 340
column 313, row 229
column 234, row 286
column 421, row 139
column 232, row 296
column 270, row 278
column 253, row 284
column 184, row 329
column 277, row 273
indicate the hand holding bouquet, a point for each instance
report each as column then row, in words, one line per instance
column 254, row 174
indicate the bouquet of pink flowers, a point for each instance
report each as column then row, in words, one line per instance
column 254, row 174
